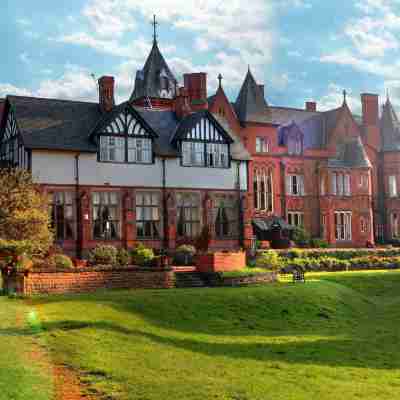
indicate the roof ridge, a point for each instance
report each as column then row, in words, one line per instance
column 295, row 109
column 52, row 99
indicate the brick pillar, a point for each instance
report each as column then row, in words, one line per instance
column 128, row 220
column 171, row 230
column 86, row 218
column 208, row 216
column 247, row 220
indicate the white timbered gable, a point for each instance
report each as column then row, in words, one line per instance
column 204, row 130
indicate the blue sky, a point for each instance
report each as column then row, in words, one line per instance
column 301, row 49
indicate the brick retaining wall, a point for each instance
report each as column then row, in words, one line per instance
column 268, row 277
column 88, row 280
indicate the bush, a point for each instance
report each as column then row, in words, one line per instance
column 123, row 257
column 301, row 237
column 184, row 255
column 268, row 260
column 61, row 261
column 319, row 243
column 104, row 254
column 142, row 256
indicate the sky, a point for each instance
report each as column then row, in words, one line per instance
column 301, row 50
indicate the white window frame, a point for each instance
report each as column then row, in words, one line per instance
column 394, row 224
column 262, row 144
column 343, row 226
column 392, row 186
column 295, row 184
column 364, row 226
column 295, row 218
column 341, row 184
column 264, row 177
column 112, row 149
column 139, row 150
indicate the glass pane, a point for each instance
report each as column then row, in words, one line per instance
column 155, row 199
column 69, row 212
column 139, row 213
column 139, row 199
column 139, row 229
column 155, row 214
column 113, row 198
column 147, row 199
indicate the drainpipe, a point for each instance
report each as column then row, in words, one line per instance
column 78, row 209
column 164, row 206
column 240, row 206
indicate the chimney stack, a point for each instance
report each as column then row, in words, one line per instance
column 311, row 106
column 106, row 93
column 181, row 106
column 370, row 109
column 196, row 86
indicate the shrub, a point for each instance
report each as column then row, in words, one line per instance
column 186, row 248
column 24, row 212
column 301, row 237
column 142, row 256
column 295, row 253
column 269, row 260
column 184, row 255
column 319, row 243
column 104, row 254
column 61, row 261
column 123, row 257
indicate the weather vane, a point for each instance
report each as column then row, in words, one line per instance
column 154, row 23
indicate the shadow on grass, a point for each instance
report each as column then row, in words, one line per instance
column 351, row 352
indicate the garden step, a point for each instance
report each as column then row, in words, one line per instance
column 189, row 279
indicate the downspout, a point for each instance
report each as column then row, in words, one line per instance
column 164, row 206
column 78, row 210
column 240, row 206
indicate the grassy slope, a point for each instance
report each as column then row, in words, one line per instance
column 335, row 336
column 19, row 379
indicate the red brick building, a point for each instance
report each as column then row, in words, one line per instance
column 169, row 160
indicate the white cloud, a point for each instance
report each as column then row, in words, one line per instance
column 334, row 99
column 8, row 89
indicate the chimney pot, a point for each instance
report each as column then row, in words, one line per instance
column 370, row 109
column 196, row 86
column 311, row 106
column 106, row 93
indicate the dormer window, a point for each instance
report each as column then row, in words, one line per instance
column 204, row 144
column 125, row 140
column 294, row 146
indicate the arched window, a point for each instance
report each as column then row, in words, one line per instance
column 263, row 190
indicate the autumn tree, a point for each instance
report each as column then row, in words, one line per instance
column 24, row 214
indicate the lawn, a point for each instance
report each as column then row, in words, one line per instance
column 335, row 336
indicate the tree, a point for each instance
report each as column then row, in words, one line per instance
column 24, row 213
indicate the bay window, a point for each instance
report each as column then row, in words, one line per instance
column 106, row 215
column 343, row 225
column 188, row 217
column 148, row 215
column 202, row 154
column 225, row 216
column 62, row 206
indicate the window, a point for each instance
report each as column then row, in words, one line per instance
column 295, row 185
column 225, row 216
column 294, row 146
column 139, row 150
column 295, row 218
column 343, row 225
column 322, row 186
column 262, row 145
column 205, row 154
column 106, row 215
column 341, row 184
column 112, row 148
column 323, row 226
column 392, row 186
column 263, row 190
column 363, row 225
column 148, row 215
column 394, row 222
column 188, row 214
column 63, row 215
column 363, row 183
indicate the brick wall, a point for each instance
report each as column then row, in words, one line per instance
column 89, row 280
column 268, row 277
column 221, row 262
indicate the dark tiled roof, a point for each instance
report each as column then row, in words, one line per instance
column 147, row 82
column 55, row 124
column 250, row 104
column 350, row 154
column 284, row 115
column 390, row 128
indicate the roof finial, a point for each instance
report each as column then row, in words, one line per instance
column 344, row 95
column 387, row 95
column 220, row 80
column 154, row 23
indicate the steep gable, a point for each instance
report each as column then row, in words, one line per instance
column 390, row 128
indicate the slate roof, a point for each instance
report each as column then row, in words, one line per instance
column 250, row 104
column 350, row 154
column 390, row 128
column 55, row 124
column 147, row 82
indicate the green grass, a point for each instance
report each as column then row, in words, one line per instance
column 248, row 271
column 336, row 336
column 21, row 378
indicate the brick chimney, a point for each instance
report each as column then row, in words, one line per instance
column 311, row 106
column 370, row 109
column 181, row 106
column 370, row 119
column 106, row 93
column 196, row 86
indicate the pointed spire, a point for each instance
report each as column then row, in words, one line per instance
column 344, row 96
column 220, row 80
column 154, row 23
column 387, row 96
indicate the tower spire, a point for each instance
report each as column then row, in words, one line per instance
column 220, row 80
column 154, row 23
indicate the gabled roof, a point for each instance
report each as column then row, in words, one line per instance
column 148, row 82
column 250, row 104
column 350, row 154
column 191, row 120
column 55, row 124
column 390, row 128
